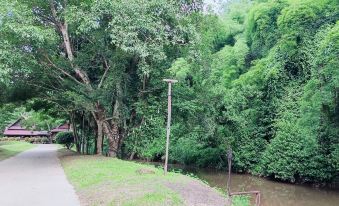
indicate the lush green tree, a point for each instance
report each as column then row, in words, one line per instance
column 88, row 62
column 260, row 78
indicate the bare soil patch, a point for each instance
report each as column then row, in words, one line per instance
column 195, row 193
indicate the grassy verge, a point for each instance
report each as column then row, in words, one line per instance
column 11, row 148
column 241, row 201
column 110, row 181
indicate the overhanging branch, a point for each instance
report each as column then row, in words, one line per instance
column 62, row 70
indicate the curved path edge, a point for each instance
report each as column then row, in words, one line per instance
column 35, row 178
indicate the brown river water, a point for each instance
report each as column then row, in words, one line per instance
column 273, row 193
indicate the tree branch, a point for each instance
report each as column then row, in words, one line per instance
column 54, row 13
column 63, row 28
column 105, row 73
column 63, row 71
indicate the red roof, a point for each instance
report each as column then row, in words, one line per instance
column 22, row 132
column 15, row 129
column 15, row 125
column 61, row 128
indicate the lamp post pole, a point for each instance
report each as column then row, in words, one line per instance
column 169, row 115
column 229, row 160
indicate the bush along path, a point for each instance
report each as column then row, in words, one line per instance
column 110, row 181
column 35, row 177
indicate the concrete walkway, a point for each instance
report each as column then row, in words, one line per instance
column 35, row 178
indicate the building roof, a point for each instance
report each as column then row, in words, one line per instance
column 61, row 128
column 15, row 125
column 21, row 132
column 16, row 129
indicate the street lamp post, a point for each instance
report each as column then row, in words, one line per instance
column 229, row 160
column 169, row 114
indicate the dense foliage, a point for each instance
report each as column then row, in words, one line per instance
column 65, row 138
column 261, row 78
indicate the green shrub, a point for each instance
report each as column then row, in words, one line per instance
column 37, row 140
column 44, row 140
column 148, row 140
column 65, row 138
column 186, row 150
column 30, row 140
column 11, row 139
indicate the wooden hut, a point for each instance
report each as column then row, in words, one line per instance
column 61, row 128
column 16, row 130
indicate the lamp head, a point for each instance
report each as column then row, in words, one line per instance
column 170, row 80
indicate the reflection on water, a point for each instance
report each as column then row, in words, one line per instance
column 272, row 193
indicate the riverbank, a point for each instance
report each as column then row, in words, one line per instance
column 11, row 148
column 272, row 192
column 109, row 181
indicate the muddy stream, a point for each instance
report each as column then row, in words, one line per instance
column 273, row 193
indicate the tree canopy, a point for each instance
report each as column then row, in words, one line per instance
column 261, row 78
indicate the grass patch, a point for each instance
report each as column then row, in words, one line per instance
column 86, row 171
column 113, row 182
column 241, row 200
column 162, row 197
column 11, row 148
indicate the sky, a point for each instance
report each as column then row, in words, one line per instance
column 215, row 5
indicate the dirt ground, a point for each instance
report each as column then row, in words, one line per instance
column 195, row 193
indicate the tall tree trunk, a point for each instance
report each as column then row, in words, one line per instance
column 64, row 31
column 91, row 125
column 83, row 140
column 75, row 133
column 96, row 138
column 131, row 157
column 100, row 136
column 99, row 116
column 112, row 132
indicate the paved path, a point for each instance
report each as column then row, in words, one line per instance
column 35, row 178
